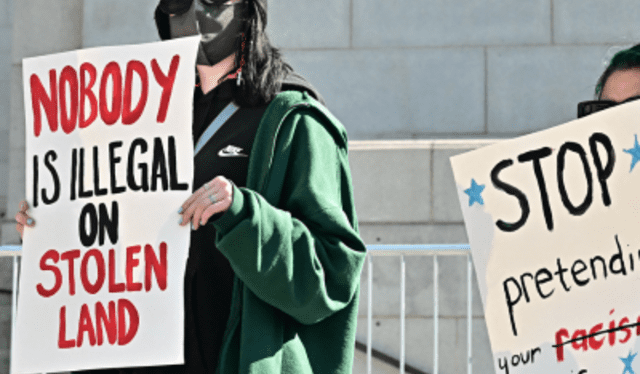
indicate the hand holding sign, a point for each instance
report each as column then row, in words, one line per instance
column 213, row 197
column 23, row 219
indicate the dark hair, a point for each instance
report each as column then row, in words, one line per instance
column 623, row 60
column 263, row 68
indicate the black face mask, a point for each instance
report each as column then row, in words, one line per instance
column 218, row 21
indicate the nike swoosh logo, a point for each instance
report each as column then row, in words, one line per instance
column 231, row 151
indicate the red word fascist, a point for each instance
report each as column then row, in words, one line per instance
column 78, row 87
column 583, row 339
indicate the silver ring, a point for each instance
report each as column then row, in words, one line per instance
column 206, row 186
column 212, row 199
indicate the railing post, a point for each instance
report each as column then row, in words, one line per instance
column 435, row 314
column 369, row 310
column 469, row 314
column 14, row 304
column 402, row 312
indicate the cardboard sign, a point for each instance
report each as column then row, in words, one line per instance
column 553, row 220
column 109, row 161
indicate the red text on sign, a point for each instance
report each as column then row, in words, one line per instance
column 114, row 101
column 120, row 326
column 595, row 337
column 154, row 266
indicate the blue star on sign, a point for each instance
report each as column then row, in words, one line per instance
column 634, row 152
column 474, row 193
column 629, row 359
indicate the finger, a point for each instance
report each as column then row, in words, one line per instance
column 197, row 199
column 221, row 187
column 189, row 201
column 190, row 210
column 24, row 219
column 194, row 197
column 20, row 218
column 185, row 218
column 206, row 189
column 188, row 207
column 203, row 204
column 219, row 206
column 24, row 206
column 213, row 186
column 218, row 183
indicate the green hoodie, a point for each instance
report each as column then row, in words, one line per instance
column 292, row 240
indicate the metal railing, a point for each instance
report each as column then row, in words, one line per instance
column 14, row 294
column 402, row 251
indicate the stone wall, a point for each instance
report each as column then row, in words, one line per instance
column 414, row 82
column 406, row 194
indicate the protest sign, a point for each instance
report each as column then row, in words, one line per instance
column 553, row 220
column 109, row 161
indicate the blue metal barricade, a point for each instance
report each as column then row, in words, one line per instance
column 402, row 251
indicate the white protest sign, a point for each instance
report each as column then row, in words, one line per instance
column 553, row 220
column 109, row 161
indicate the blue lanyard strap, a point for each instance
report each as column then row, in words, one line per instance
column 226, row 113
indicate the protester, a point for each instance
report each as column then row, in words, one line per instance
column 619, row 83
column 272, row 279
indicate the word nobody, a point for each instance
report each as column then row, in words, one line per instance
column 113, row 102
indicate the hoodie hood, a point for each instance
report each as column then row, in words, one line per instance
column 296, row 82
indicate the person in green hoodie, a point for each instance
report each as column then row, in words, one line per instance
column 273, row 203
column 272, row 278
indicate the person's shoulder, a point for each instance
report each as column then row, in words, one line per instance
column 296, row 82
column 300, row 108
column 298, row 93
column 299, row 104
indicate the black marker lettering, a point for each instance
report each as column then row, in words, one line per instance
column 535, row 156
column 605, row 173
column 511, row 190
column 144, row 173
column 49, row 157
column 577, row 148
